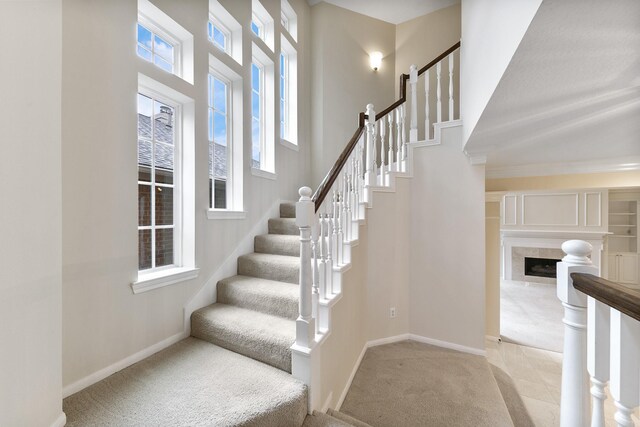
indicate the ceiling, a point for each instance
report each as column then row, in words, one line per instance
column 571, row 93
column 392, row 11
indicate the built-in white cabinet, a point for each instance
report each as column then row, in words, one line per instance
column 623, row 267
column 622, row 241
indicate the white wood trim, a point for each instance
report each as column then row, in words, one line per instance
column 121, row 364
column 347, row 386
column 290, row 145
column 159, row 279
column 60, row 421
column 225, row 214
column 586, row 208
column 523, row 197
column 546, row 169
column 263, row 174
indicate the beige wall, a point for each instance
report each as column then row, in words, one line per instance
column 342, row 80
column 103, row 321
column 30, row 224
column 492, row 270
column 591, row 180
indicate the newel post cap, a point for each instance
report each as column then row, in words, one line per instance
column 305, row 208
column 577, row 251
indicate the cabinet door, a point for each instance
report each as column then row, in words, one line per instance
column 612, row 267
column 628, row 268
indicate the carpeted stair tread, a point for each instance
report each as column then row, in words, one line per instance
column 347, row 419
column 268, row 266
column 288, row 210
column 318, row 419
column 283, row 226
column 191, row 383
column 256, row 335
column 265, row 296
column 516, row 407
column 277, row 244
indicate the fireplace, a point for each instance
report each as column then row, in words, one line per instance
column 540, row 267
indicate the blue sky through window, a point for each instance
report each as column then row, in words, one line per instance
column 154, row 48
column 255, row 28
column 256, row 122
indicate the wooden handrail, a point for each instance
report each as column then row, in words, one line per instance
column 623, row 298
column 324, row 187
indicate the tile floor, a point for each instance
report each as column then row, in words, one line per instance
column 537, row 375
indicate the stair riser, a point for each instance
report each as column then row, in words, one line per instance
column 287, row 210
column 264, row 304
column 265, row 245
column 283, row 226
column 269, row 270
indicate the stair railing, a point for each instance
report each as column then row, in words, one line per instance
column 328, row 219
column 601, row 341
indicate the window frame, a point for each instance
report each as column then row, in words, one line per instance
column 261, row 110
column 284, row 20
column 259, row 24
column 216, row 23
column 229, row 183
column 283, row 77
column 156, row 29
column 177, row 185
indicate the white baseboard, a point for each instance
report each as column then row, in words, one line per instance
column 120, row 365
column 449, row 345
column 327, row 403
column 351, row 376
column 492, row 338
column 60, row 421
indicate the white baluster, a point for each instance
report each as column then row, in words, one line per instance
column 383, row 132
column 403, row 109
column 323, row 258
column 315, row 296
column 345, row 199
column 413, row 82
column 427, row 120
column 336, row 246
column 370, row 150
column 354, row 185
column 390, row 153
column 305, row 324
column 574, row 404
column 329, row 265
column 340, row 237
column 598, row 349
column 451, row 86
column 625, row 366
column 438, row 93
column 398, row 138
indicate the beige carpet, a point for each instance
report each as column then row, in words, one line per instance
column 414, row 384
column 531, row 315
column 517, row 409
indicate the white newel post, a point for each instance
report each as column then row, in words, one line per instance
column 305, row 327
column 574, row 402
column 413, row 82
column 370, row 171
column 304, row 359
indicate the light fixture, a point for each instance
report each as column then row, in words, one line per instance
column 375, row 59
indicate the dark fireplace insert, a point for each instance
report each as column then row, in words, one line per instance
column 541, row 267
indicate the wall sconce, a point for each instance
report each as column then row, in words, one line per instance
column 375, row 59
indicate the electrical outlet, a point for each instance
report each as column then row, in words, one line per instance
column 392, row 312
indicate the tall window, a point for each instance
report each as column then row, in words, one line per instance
column 257, row 114
column 284, row 97
column 156, row 49
column 219, row 143
column 156, row 184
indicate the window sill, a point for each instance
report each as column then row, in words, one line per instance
column 289, row 145
column 263, row 174
column 149, row 281
column 225, row 214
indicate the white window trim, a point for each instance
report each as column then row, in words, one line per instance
column 291, row 94
column 284, row 21
column 159, row 279
column 224, row 30
column 230, row 202
column 263, row 174
column 291, row 29
column 225, row 214
column 284, row 121
column 168, row 37
column 262, row 111
column 263, row 19
column 289, row 145
column 258, row 22
column 218, row 14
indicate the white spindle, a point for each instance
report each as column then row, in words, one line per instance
column 323, row 257
column 427, row 123
column 340, row 238
column 390, row 152
column 598, row 357
column 315, row 295
column 329, row 264
column 305, row 324
column 354, row 186
column 574, row 402
column 625, row 366
column 413, row 82
column 383, row 168
column 336, row 246
column 438, row 93
column 451, row 86
column 398, row 138
column 370, row 149
column 403, row 110
column 345, row 209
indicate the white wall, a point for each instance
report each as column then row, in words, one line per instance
column 491, row 33
column 343, row 83
column 104, row 322
column 30, row 253
column 447, row 241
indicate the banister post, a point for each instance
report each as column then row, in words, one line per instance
column 370, row 171
column 305, row 212
column 413, row 82
column 574, row 402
